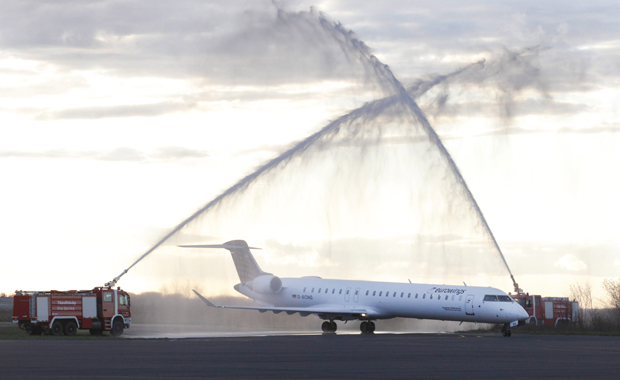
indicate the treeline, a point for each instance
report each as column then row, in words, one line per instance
column 606, row 319
column 6, row 307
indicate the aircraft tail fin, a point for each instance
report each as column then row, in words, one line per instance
column 247, row 267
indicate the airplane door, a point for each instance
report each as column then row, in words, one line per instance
column 356, row 296
column 346, row 294
column 469, row 305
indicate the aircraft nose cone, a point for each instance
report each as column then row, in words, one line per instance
column 522, row 313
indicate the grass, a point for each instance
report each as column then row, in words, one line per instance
column 15, row 333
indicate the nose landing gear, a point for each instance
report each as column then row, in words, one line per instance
column 506, row 330
column 367, row 327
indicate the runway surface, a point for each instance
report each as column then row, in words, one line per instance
column 465, row 356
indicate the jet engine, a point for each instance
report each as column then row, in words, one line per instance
column 266, row 284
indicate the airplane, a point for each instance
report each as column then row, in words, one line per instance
column 368, row 301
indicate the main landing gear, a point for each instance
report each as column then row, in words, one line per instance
column 367, row 327
column 329, row 327
column 506, row 330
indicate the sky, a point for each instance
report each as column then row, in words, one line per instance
column 119, row 119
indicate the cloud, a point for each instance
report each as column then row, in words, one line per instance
column 121, row 154
column 571, row 263
column 243, row 42
column 133, row 110
column 289, row 254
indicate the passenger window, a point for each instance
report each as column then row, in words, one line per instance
column 374, row 292
column 387, row 294
column 489, row 298
column 340, row 292
column 319, row 290
column 409, row 295
column 356, row 292
column 333, row 290
column 312, row 290
column 304, row 290
column 452, row 298
column 380, row 293
column 347, row 291
column 402, row 294
column 368, row 291
column 431, row 296
column 446, row 298
column 394, row 294
column 424, row 296
column 326, row 290
column 416, row 295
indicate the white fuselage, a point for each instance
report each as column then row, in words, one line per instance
column 382, row 300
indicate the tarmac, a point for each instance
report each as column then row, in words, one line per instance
column 341, row 356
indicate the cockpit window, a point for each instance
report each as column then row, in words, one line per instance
column 490, row 298
column 504, row 299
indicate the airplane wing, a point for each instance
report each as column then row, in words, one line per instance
column 324, row 310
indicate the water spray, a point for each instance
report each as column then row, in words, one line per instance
column 381, row 70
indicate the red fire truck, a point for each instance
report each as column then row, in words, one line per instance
column 548, row 311
column 63, row 312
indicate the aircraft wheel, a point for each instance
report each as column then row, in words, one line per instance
column 507, row 333
column 334, row 326
column 364, row 327
column 326, row 326
column 371, row 327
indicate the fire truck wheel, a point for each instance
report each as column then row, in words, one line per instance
column 57, row 328
column 117, row 328
column 70, row 328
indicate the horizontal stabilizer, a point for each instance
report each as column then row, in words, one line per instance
column 209, row 303
column 247, row 267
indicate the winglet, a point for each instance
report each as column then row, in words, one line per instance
column 209, row 303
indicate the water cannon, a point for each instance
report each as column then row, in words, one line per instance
column 518, row 290
column 113, row 282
